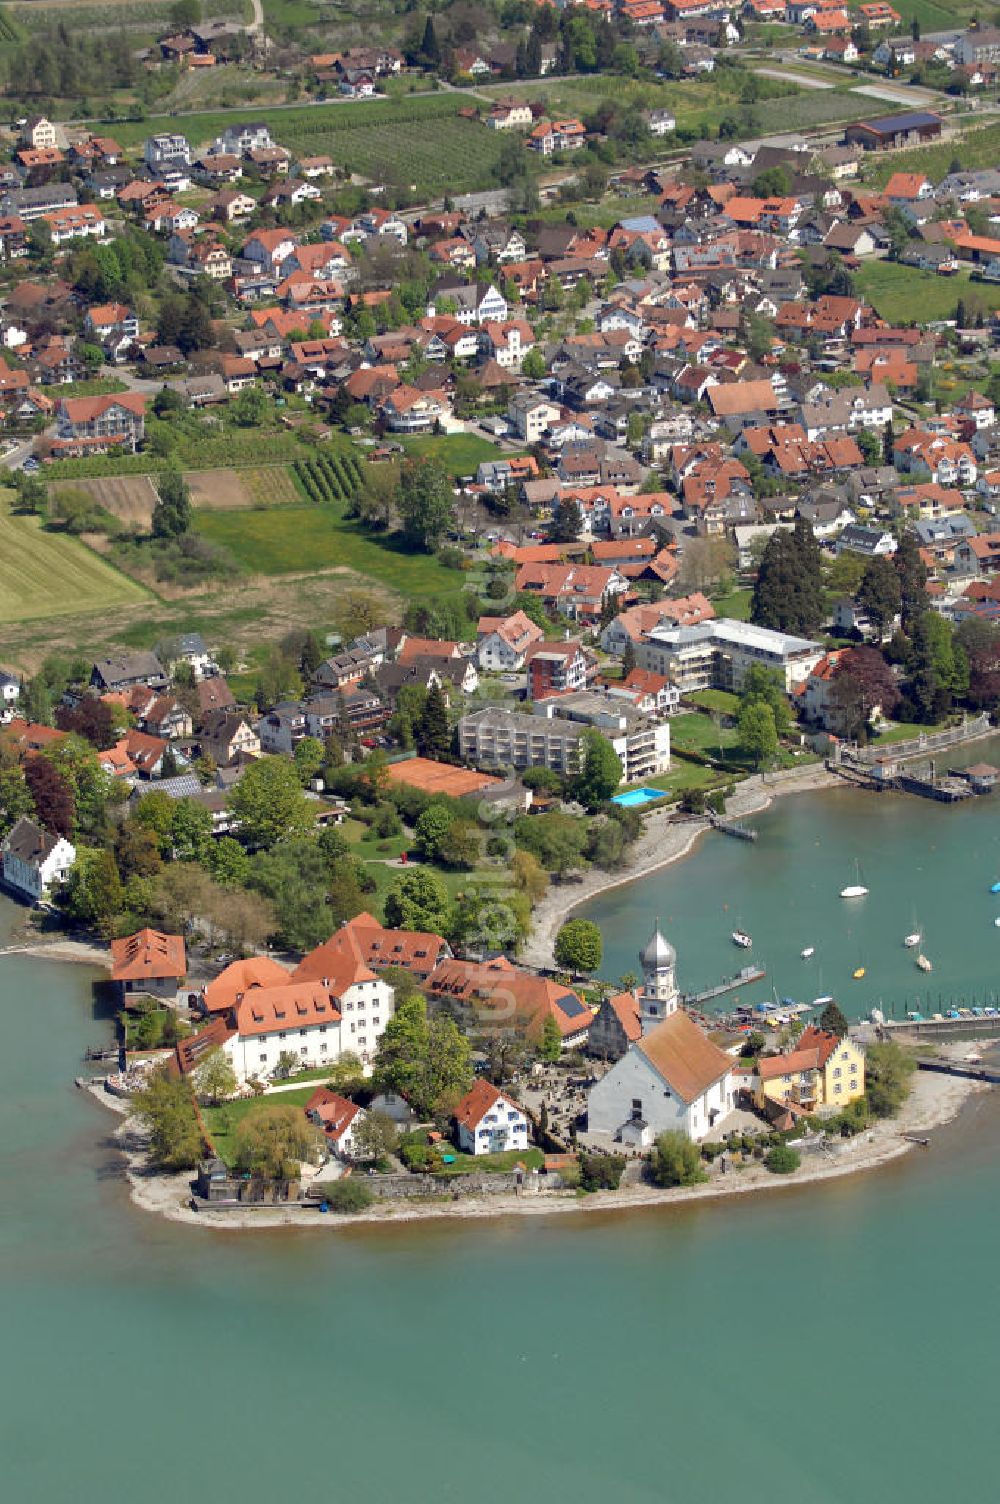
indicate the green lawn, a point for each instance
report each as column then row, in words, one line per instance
column 45, row 574
column 224, row 1123
column 716, row 699
column 735, row 604
column 906, row 295
column 458, row 453
column 533, row 1159
column 291, row 539
column 697, row 732
column 905, row 731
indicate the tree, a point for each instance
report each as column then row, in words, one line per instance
column 758, row 735
column 567, row 521
column 273, row 1141
column 533, row 365
column 228, row 862
column 308, row 757
column 431, row 729
column 832, row 1021
column 788, row 593
column 431, row 829
column 185, row 13
column 418, row 901
column 93, row 888
column 172, row 512
column 551, row 1043
column 888, row 1069
column 426, row 504
column 880, row 593
column 191, row 830
column 579, row 946
column 426, row 1060
column 269, row 804
column 375, row 1136
column 862, row 684
column 293, row 876
column 600, row 773
column 980, row 642
column 870, row 446
column 51, row 795
column 15, row 798
column 676, row 1160
column 166, row 1106
column 214, row 1077
column 783, row 1159
column 912, row 581
column 767, row 685
column 430, row 50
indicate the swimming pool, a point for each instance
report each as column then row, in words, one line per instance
column 638, row 796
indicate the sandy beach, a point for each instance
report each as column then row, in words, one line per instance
column 934, row 1101
column 665, row 839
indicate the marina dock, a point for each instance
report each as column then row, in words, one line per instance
column 909, row 767
column 743, row 978
column 732, row 828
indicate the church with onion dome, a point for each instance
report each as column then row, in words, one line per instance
column 670, row 1075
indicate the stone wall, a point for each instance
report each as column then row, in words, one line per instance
column 454, row 1187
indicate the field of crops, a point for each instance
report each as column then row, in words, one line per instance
column 304, row 120
column 330, row 478
column 130, row 498
column 255, row 486
column 46, row 574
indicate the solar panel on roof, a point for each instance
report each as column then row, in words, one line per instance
column 572, row 1006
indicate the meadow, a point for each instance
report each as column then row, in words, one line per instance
column 291, row 539
column 45, row 574
column 904, row 293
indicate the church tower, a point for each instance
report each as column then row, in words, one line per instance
column 659, row 984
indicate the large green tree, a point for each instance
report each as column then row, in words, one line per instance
column 426, row 503
column 167, row 1108
column 579, row 945
column 600, row 772
column 274, row 1141
column 172, row 511
column 431, row 729
column 423, row 1058
column 676, row 1160
column 912, row 581
column 269, row 804
column 788, row 595
column 418, row 901
column 758, row 736
column 880, row 593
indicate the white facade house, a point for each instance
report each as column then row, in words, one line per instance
column 490, row 1122
column 34, row 860
column 719, row 654
column 671, row 1077
column 167, row 150
column 10, row 689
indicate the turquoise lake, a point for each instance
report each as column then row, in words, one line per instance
column 811, row 1346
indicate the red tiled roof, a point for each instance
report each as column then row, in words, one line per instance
column 147, row 955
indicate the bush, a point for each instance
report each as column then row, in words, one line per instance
column 349, row 1196
column 601, row 1172
column 677, row 1160
column 783, row 1160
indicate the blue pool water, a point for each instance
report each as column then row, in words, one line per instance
column 638, row 796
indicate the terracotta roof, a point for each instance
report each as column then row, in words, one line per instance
column 685, row 1057
column 415, row 950
column 629, row 1014
column 476, row 1103
column 230, row 985
column 296, row 1005
column 335, row 1112
column 338, row 963
column 190, row 1052
column 147, row 955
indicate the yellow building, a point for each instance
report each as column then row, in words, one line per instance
column 822, row 1071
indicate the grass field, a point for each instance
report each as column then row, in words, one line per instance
column 224, row 1123
column 46, row 574
column 458, row 453
column 905, row 295
column 288, row 539
column 736, row 604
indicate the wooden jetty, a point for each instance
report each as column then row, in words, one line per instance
column 732, row 828
column 744, row 978
column 968, row 1070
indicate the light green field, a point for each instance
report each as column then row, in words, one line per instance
column 905, row 294
column 46, row 574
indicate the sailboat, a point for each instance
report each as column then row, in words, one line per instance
column 742, row 939
column 923, row 963
column 912, row 941
column 856, row 889
column 810, row 950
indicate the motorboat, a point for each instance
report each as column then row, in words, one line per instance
column 858, row 973
column 821, row 1002
column 912, row 941
column 923, row 963
column 742, row 939
column 854, row 890
column 995, row 888
column 810, row 950
column 997, row 921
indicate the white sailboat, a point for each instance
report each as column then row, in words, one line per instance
column 912, row 941
column 742, row 939
column 856, row 889
column 810, row 950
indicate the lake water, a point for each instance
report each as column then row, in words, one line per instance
column 813, row 1346
column 927, row 866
